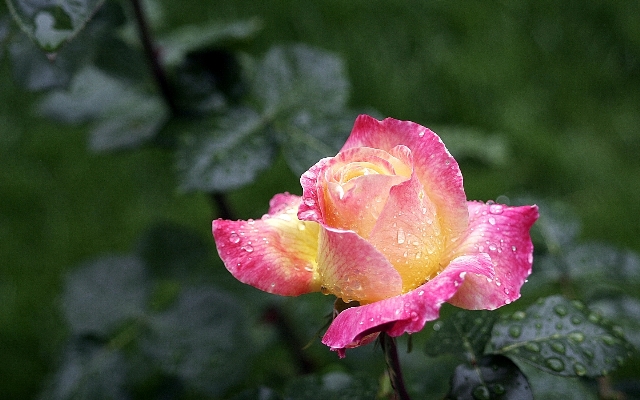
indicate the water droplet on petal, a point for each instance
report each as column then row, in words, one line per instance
column 248, row 248
column 492, row 220
column 309, row 202
column 401, row 236
column 514, row 248
column 496, row 209
column 234, row 238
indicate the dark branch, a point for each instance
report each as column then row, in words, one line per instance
column 152, row 57
column 390, row 349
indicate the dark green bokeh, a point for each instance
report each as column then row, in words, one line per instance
column 558, row 84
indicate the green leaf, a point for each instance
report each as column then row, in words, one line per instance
column 184, row 40
column 99, row 296
column 124, row 116
column 549, row 386
column 50, row 23
column 561, row 337
column 464, row 334
column 333, row 385
column 494, row 377
column 89, row 371
column 224, row 153
column 298, row 77
column 305, row 139
column 625, row 311
column 558, row 225
column 202, row 339
column 303, row 91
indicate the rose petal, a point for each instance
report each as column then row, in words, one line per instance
column 352, row 269
column 437, row 170
column 502, row 232
column 312, row 199
column 276, row 254
column 405, row 313
column 409, row 234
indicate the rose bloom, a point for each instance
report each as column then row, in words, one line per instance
column 384, row 226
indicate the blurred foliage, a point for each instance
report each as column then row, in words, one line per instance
column 532, row 98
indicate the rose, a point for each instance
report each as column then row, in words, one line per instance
column 384, row 226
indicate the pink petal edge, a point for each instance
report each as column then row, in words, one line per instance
column 405, row 313
column 273, row 256
column 501, row 232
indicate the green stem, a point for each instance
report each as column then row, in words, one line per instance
column 390, row 349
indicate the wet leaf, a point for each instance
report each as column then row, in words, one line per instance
column 201, row 339
column 303, row 92
column 100, row 295
column 561, row 337
column 122, row 115
column 224, row 153
column 51, row 23
column 494, row 377
column 333, row 385
column 177, row 44
column 89, row 370
column 464, row 334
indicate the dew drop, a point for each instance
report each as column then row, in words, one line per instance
column 492, row 247
column 496, row 209
column 555, row 364
column 514, row 248
column 308, row 268
column 608, row 340
column 481, row 392
column 437, row 326
column 593, row 317
column 421, row 134
column 498, row 388
column 234, row 238
column 558, row 347
column 401, row 236
column 309, row 202
column 579, row 369
column 301, row 226
column 518, row 315
column 414, row 316
column 248, row 248
column 577, row 337
column 576, row 320
column 515, row 331
column 532, row 346
column 560, row 310
column 492, row 220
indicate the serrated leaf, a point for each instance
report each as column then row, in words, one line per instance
column 549, row 386
column 561, row 337
column 298, row 77
column 89, row 371
column 123, row 116
column 494, row 377
column 202, row 339
column 36, row 70
column 50, row 23
column 178, row 43
column 303, row 91
column 306, row 139
column 225, row 153
column 464, row 334
column 101, row 295
column 333, row 385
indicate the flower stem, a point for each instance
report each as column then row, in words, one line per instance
column 390, row 349
column 150, row 52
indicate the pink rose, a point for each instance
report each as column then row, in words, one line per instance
column 386, row 227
